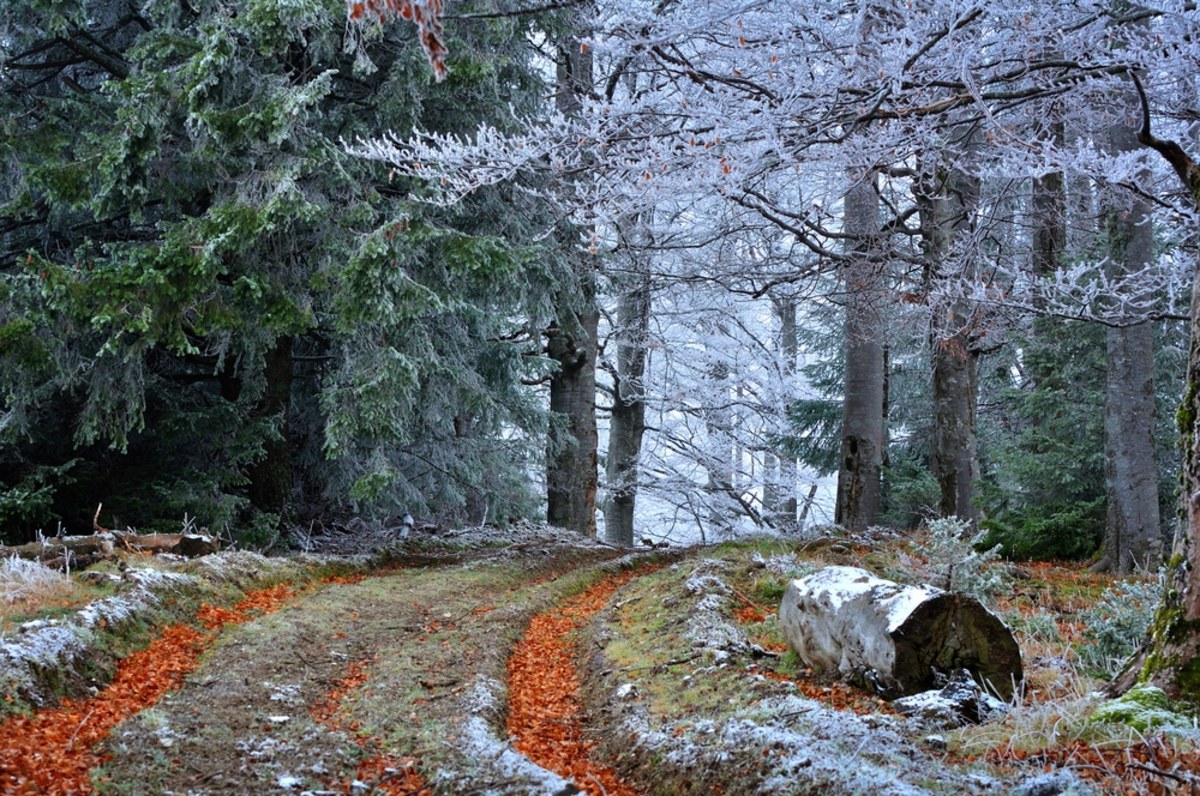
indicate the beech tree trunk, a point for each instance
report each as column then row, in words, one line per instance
column 948, row 204
column 1132, row 537
column 571, row 474
column 861, row 461
column 896, row 639
column 628, row 423
column 1171, row 657
column 780, row 501
column 571, row 477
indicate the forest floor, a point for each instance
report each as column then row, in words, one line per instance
column 537, row 663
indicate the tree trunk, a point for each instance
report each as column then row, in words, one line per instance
column 896, row 639
column 1171, row 657
column 1132, row 538
column 719, row 448
column 947, row 207
column 954, row 450
column 628, row 422
column 783, row 503
column 1049, row 206
column 270, row 487
column 1132, row 534
column 571, row 477
column 861, row 460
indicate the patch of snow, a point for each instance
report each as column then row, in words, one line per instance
column 289, row 782
column 812, row 749
column 288, row 694
column 626, row 691
column 259, row 749
column 478, row 741
column 708, row 627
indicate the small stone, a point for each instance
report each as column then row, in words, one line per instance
column 960, row 702
column 626, row 691
column 288, row 781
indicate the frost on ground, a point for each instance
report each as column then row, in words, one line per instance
column 360, row 538
column 708, row 628
column 795, row 745
column 40, row 657
column 496, row 759
column 22, row 580
column 56, row 649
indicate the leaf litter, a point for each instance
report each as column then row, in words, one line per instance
column 53, row 750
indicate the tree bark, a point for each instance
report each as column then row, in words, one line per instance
column 571, row 477
column 948, row 204
column 782, row 503
column 861, row 460
column 1132, row 531
column 270, row 487
column 1171, row 657
column 628, row 423
column 571, row 471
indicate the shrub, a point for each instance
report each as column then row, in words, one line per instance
column 1051, row 531
column 1118, row 623
column 957, row 564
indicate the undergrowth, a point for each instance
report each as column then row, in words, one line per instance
column 1118, row 624
column 24, row 582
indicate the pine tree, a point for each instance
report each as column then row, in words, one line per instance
column 208, row 306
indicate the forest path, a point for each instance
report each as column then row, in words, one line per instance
column 306, row 698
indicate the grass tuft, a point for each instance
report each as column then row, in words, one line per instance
column 23, row 582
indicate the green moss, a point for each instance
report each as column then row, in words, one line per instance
column 1143, row 708
column 1188, row 681
column 769, row 589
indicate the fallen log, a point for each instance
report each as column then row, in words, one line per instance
column 67, row 548
column 898, row 640
column 74, row 552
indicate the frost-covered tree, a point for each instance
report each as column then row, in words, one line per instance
column 767, row 108
column 207, row 306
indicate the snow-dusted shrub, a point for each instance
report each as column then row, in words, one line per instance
column 1117, row 623
column 25, row 581
column 956, row 562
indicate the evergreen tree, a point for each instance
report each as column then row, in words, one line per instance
column 207, row 306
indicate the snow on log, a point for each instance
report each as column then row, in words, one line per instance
column 898, row 639
column 76, row 552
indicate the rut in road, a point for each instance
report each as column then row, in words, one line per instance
column 545, row 714
column 257, row 715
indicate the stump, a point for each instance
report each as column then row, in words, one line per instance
column 899, row 640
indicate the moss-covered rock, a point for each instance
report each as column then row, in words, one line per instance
column 1143, row 707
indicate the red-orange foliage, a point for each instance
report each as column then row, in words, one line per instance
column 52, row 751
column 425, row 14
column 545, row 715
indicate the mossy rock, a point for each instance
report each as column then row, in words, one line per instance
column 1143, row 708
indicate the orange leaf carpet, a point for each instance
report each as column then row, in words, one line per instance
column 52, row 751
column 545, row 715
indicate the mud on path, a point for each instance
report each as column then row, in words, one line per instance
column 391, row 684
